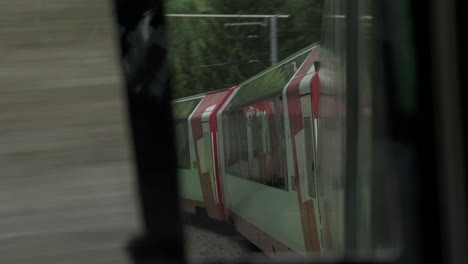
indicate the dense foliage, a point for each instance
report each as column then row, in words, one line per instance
column 207, row 55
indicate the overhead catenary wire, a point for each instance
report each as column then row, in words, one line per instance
column 232, row 63
column 226, row 16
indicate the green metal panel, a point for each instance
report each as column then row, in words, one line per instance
column 274, row 211
column 190, row 185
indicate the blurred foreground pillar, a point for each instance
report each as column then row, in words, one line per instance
column 143, row 52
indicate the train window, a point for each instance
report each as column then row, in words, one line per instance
column 181, row 112
column 262, row 134
column 208, row 151
column 309, row 139
column 236, row 147
column 182, row 144
column 256, row 149
column 252, row 133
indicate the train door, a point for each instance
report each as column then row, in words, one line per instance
column 309, row 181
column 190, row 184
column 205, row 149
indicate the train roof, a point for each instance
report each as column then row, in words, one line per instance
column 271, row 81
column 196, row 96
column 184, row 107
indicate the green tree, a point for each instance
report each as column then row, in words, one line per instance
column 205, row 55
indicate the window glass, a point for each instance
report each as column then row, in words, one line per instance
column 236, row 147
column 181, row 112
column 182, row 144
column 208, row 151
column 309, row 140
column 256, row 149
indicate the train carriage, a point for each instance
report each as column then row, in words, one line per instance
column 266, row 194
column 301, row 106
column 196, row 144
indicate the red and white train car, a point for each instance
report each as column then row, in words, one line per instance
column 197, row 151
column 252, row 155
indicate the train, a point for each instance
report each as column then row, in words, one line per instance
column 248, row 155
column 352, row 147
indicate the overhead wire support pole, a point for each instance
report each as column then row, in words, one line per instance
column 273, row 40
